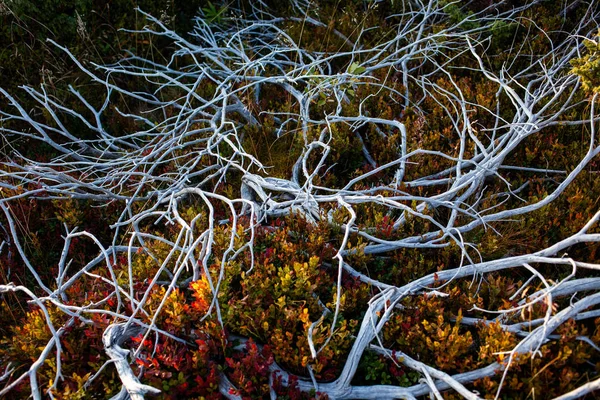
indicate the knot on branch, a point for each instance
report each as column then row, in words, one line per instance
column 113, row 338
column 275, row 197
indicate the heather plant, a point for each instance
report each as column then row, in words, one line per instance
column 306, row 200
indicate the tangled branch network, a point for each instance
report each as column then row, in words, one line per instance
column 189, row 142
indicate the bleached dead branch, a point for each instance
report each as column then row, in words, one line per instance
column 200, row 137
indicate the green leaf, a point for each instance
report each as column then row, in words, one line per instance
column 322, row 99
column 356, row 69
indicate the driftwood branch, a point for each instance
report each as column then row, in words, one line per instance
column 113, row 338
column 200, row 139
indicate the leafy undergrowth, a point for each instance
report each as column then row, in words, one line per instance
column 273, row 305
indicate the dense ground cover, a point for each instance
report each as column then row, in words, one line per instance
column 325, row 199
